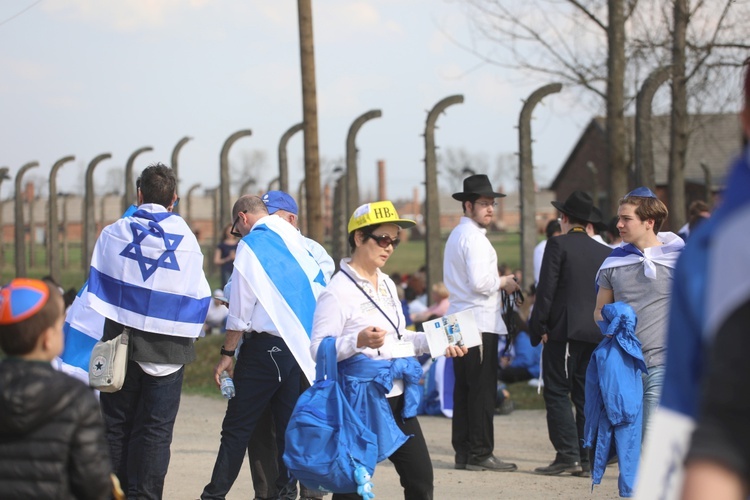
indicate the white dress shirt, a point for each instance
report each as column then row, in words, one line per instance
column 538, row 256
column 471, row 276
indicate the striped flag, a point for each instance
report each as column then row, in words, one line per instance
column 286, row 279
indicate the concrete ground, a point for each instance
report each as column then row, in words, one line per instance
column 520, row 437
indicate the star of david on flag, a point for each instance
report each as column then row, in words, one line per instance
column 148, row 265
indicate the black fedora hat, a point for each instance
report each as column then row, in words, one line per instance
column 580, row 206
column 474, row 186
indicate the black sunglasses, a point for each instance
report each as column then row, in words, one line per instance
column 233, row 231
column 383, row 240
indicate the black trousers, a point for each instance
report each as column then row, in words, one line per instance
column 263, row 455
column 474, row 396
column 560, row 387
column 412, row 460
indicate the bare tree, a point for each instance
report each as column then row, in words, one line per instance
column 569, row 41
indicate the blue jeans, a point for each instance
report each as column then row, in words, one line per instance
column 652, row 384
column 139, row 422
column 266, row 373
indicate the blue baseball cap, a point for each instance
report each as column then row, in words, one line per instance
column 279, row 200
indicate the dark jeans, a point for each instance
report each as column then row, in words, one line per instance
column 474, row 396
column 565, row 432
column 139, row 423
column 266, row 373
column 412, row 460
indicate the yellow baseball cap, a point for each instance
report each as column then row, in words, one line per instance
column 378, row 212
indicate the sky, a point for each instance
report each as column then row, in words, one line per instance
column 85, row 77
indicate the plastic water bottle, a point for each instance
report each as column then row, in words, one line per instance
column 227, row 386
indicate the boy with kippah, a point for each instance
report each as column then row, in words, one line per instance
column 52, row 441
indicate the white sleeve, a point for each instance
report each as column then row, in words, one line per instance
column 481, row 267
column 241, row 304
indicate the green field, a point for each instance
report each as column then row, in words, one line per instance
column 408, row 258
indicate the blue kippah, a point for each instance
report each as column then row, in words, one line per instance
column 642, row 192
column 21, row 299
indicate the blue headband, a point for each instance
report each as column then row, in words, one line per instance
column 641, row 192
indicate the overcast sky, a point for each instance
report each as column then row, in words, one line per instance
column 84, row 77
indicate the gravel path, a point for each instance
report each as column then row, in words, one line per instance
column 520, row 437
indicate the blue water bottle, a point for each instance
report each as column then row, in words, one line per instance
column 227, row 386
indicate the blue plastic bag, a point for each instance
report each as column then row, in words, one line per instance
column 325, row 439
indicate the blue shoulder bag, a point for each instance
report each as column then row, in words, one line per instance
column 325, row 439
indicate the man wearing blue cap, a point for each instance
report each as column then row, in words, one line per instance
column 282, row 204
column 640, row 274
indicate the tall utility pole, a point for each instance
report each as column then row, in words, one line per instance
column 310, row 119
column 3, row 176
column 678, row 136
column 433, row 240
column 526, row 176
column 616, row 104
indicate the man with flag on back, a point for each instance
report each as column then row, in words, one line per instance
column 147, row 274
column 275, row 286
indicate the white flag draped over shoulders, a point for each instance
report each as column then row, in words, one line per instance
column 147, row 273
column 286, row 280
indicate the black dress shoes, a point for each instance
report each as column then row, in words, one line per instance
column 558, row 467
column 491, row 463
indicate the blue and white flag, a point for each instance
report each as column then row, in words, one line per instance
column 147, row 273
column 710, row 282
column 286, row 280
column 665, row 254
column 82, row 330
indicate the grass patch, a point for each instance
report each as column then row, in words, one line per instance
column 199, row 375
column 525, row 397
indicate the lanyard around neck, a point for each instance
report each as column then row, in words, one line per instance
column 376, row 304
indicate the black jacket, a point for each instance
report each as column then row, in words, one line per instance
column 566, row 295
column 52, row 442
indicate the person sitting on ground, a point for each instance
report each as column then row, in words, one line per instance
column 439, row 306
column 52, row 441
column 216, row 318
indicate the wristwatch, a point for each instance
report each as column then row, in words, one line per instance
column 224, row 352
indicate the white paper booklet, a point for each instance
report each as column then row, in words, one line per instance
column 455, row 329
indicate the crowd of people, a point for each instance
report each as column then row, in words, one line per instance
column 614, row 330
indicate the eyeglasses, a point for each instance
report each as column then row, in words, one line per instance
column 233, row 231
column 384, row 240
column 485, row 204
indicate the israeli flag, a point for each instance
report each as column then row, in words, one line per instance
column 710, row 282
column 287, row 281
column 82, row 330
column 147, row 273
column 665, row 254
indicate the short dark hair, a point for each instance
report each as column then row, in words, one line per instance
column 471, row 198
column 20, row 338
column 553, row 227
column 158, row 184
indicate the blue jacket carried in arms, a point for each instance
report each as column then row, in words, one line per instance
column 614, row 397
